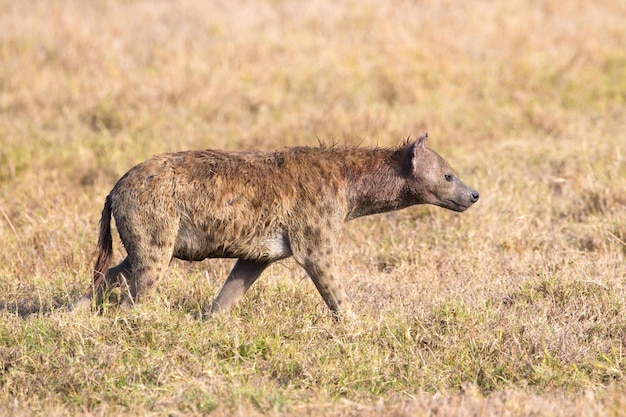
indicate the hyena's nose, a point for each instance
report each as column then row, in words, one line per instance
column 475, row 196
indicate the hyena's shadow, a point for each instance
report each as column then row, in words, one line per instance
column 28, row 306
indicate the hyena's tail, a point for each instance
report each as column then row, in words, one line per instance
column 105, row 253
column 105, row 247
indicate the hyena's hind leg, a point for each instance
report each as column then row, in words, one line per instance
column 114, row 277
column 149, row 264
column 244, row 274
column 118, row 276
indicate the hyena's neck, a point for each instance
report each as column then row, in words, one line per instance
column 376, row 182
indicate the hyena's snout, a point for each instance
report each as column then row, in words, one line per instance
column 462, row 199
column 474, row 196
column 470, row 197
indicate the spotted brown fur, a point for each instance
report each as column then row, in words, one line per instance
column 261, row 207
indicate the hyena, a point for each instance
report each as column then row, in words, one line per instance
column 260, row 208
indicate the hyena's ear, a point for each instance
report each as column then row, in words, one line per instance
column 421, row 141
column 411, row 156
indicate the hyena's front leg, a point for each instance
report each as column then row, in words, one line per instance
column 243, row 275
column 325, row 279
column 319, row 262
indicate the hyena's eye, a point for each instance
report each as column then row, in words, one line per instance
column 449, row 177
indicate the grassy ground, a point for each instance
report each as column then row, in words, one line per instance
column 515, row 307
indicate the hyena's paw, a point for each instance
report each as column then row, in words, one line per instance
column 345, row 317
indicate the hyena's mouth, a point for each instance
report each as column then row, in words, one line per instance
column 457, row 206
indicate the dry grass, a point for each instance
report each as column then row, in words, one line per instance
column 516, row 307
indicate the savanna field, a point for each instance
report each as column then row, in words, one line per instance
column 516, row 307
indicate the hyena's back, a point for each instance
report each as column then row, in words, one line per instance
column 204, row 204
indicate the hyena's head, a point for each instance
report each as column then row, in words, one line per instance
column 432, row 180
